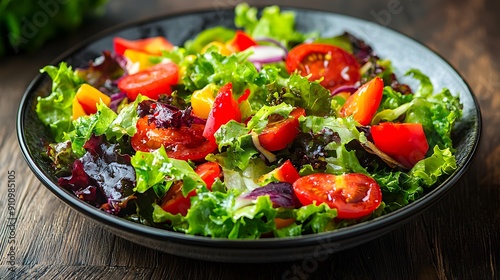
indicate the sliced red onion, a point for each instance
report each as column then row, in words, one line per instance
column 272, row 41
column 280, row 193
column 350, row 89
column 267, row 54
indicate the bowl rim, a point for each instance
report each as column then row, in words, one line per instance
column 399, row 216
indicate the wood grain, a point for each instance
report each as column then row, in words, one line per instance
column 458, row 238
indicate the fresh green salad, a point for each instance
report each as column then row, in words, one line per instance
column 258, row 132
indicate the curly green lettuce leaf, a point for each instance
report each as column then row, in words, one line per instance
column 215, row 68
column 273, row 23
column 260, row 120
column 156, row 167
column 345, row 161
column 437, row 114
column 104, row 121
column 176, row 222
column 308, row 219
column 345, row 128
column 215, row 214
column 426, row 88
column 234, row 137
column 441, row 162
column 312, row 96
column 214, row 34
column 55, row 110
column 85, row 126
column 399, row 188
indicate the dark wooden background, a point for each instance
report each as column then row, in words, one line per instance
column 458, row 238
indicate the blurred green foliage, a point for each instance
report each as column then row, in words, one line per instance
column 25, row 25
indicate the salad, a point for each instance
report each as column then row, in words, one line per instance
column 258, row 132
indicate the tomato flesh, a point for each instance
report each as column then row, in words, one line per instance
column 336, row 66
column 354, row 195
column 186, row 143
column 175, row 203
column 150, row 82
column 405, row 142
column 224, row 109
column 277, row 135
column 363, row 104
column 242, row 41
column 287, row 173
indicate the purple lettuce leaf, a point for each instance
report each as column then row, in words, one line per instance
column 102, row 177
column 103, row 72
column 164, row 115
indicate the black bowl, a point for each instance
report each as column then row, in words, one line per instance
column 404, row 52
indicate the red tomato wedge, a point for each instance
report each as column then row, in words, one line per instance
column 242, row 41
column 363, row 104
column 354, row 195
column 405, row 142
column 336, row 66
column 175, row 203
column 284, row 173
column 208, row 171
column 277, row 135
column 224, row 109
column 153, row 45
column 186, row 143
column 150, row 82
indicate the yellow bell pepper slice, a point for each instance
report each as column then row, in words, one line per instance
column 142, row 58
column 202, row 100
column 88, row 97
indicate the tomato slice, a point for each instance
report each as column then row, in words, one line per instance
column 208, row 171
column 354, row 195
column 405, row 142
column 224, row 109
column 186, row 143
column 153, row 45
column 336, row 66
column 242, row 41
column 363, row 104
column 150, row 82
column 285, row 173
column 277, row 135
column 174, row 202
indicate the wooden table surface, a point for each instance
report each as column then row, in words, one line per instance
column 458, row 238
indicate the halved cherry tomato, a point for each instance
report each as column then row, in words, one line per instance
column 241, row 41
column 285, row 173
column 174, row 202
column 336, row 66
column 354, row 195
column 277, row 135
column 186, row 143
column 153, row 45
column 363, row 104
column 224, row 109
column 208, row 171
column 405, row 142
column 150, row 82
